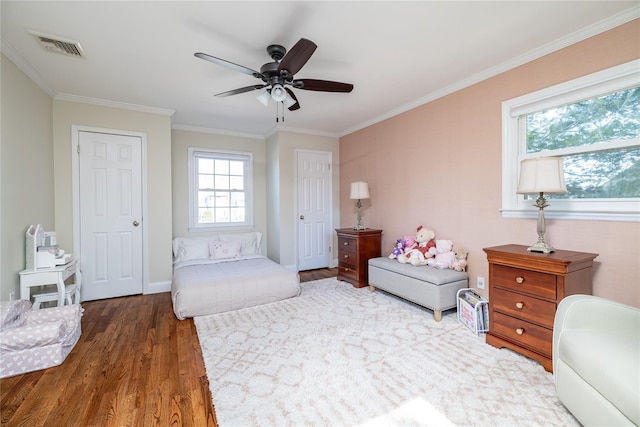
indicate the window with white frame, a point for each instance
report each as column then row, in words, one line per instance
column 220, row 189
column 593, row 123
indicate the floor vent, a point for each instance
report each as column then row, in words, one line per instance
column 59, row 45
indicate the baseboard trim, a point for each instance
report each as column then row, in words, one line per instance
column 157, row 287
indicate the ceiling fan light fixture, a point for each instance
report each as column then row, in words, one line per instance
column 278, row 93
column 289, row 101
column 264, row 98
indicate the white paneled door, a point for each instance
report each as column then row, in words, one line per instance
column 314, row 209
column 110, row 197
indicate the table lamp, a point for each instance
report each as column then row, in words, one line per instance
column 359, row 191
column 541, row 175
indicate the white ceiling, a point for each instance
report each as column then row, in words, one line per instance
column 397, row 54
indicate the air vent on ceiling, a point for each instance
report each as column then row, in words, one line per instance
column 59, row 45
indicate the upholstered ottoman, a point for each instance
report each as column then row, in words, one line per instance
column 427, row 286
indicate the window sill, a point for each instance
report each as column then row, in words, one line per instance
column 571, row 215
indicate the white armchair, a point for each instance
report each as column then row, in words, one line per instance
column 596, row 360
column 33, row 340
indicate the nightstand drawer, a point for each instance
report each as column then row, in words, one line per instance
column 523, row 333
column 348, row 271
column 349, row 258
column 347, row 244
column 530, row 282
column 524, row 307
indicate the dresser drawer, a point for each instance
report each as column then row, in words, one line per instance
column 347, row 243
column 348, row 258
column 530, row 282
column 348, row 271
column 522, row 332
column 524, row 307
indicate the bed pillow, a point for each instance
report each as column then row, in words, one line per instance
column 187, row 249
column 224, row 249
column 251, row 241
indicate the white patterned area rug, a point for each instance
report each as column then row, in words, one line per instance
column 341, row 356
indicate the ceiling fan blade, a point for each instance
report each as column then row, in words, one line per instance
column 228, row 64
column 322, row 85
column 295, row 106
column 297, row 56
column 241, row 90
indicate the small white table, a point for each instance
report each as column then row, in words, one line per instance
column 49, row 276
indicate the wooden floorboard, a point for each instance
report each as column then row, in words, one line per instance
column 135, row 364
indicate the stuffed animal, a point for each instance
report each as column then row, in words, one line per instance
column 398, row 249
column 444, row 257
column 422, row 250
column 409, row 243
column 460, row 264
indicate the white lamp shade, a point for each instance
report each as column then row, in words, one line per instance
column 278, row 93
column 289, row 101
column 264, row 98
column 359, row 190
column 542, row 175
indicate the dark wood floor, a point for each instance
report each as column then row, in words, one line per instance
column 321, row 273
column 135, row 364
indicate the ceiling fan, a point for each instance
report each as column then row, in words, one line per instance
column 279, row 74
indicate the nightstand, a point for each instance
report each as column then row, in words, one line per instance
column 525, row 289
column 355, row 248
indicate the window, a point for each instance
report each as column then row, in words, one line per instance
column 220, row 189
column 593, row 123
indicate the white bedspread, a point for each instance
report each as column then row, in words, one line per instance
column 205, row 286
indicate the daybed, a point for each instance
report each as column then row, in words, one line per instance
column 226, row 272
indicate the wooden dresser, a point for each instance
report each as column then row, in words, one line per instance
column 525, row 289
column 355, row 248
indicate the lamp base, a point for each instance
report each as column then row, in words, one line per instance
column 541, row 247
column 359, row 227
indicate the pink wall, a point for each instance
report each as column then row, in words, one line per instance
column 439, row 165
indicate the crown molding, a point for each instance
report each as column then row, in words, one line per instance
column 218, row 132
column 568, row 40
column 303, row 131
column 13, row 55
column 114, row 104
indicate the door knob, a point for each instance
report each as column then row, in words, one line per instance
column 136, row 223
column 301, row 216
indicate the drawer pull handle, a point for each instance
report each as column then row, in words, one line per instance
column 519, row 280
column 346, row 243
column 519, row 331
column 347, row 269
column 519, row 305
column 346, row 256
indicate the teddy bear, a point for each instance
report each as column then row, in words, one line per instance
column 422, row 250
column 444, row 256
column 460, row 264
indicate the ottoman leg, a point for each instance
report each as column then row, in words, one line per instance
column 437, row 315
